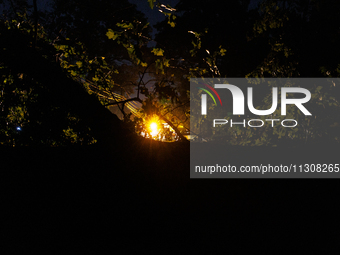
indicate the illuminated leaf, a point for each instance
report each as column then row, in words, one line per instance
column 79, row 64
column 125, row 26
column 111, row 35
column 151, row 3
column 222, row 51
column 157, row 51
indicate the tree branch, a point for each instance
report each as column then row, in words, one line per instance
column 181, row 137
column 176, row 107
column 35, row 23
column 125, row 101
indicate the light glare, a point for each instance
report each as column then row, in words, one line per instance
column 154, row 129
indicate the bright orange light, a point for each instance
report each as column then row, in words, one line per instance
column 154, row 128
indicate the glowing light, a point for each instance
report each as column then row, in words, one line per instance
column 154, row 129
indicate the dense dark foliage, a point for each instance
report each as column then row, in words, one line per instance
column 103, row 46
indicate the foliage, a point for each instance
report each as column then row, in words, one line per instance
column 29, row 115
column 104, row 46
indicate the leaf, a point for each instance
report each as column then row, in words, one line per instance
column 157, row 51
column 131, row 50
column 125, row 26
column 79, row 64
column 151, row 3
column 111, row 35
column 166, row 62
column 172, row 24
column 223, row 51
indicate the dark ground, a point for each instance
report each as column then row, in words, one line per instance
column 57, row 200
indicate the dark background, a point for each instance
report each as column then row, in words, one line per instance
column 128, row 194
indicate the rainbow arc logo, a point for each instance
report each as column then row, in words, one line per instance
column 204, row 98
column 213, row 90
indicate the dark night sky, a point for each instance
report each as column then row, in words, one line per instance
column 154, row 15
